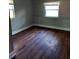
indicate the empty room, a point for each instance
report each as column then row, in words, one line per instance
column 39, row 29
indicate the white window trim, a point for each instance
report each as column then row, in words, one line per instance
column 51, row 4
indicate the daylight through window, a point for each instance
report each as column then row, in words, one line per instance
column 51, row 9
column 11, row 9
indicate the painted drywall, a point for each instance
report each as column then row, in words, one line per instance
column 62, row 21
column 23, row 14
column 64, row 8
column 28, row 12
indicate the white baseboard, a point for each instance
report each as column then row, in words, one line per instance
column 53, row 27
column 12, row 54
column 15, row 32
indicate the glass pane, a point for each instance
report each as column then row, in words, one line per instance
column 11, row 6
column 11, row 14
column 51, row 7
column 52, row 3
column 51, row 13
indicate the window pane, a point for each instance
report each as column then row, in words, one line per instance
column 11, row 14
column 51, row 13
column 52, row 3
column 51, row 7
column 11, row 6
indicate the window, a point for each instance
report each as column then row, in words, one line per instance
column 11, row 9
column 51, row 9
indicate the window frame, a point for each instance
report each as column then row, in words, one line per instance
column 52, row 4
column 11, row 2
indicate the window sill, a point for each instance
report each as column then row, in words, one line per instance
column 50, row 17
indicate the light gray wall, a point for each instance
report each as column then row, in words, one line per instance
column 23, row 14
column 25, row 17
column 62, row 21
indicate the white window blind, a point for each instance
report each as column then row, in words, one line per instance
column 51, row 9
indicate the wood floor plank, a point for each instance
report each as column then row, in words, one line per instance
column 42, row 43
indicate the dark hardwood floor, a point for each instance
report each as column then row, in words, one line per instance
column 42, row 43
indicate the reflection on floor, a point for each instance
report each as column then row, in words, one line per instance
column 42, row 43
